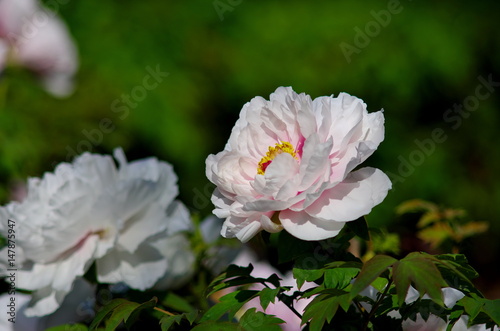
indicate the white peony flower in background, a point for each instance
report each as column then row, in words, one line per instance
column 78, row 306
column 125, row 219
column 35, row 37
column 289, row 165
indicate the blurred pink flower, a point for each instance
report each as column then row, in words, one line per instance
column 34, row 37
column 289, row 165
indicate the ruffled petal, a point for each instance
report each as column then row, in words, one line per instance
column 352, row 198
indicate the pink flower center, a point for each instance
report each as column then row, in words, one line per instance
column 284, row 147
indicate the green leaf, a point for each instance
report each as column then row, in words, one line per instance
column 168, row 320
column 268, row 295
column 309, row 275
column 472, row 305
column 421, row 270
column 217, row 326
column 119, row 314
column 231, row 303
column 134, row 315
column 290, row 248
column 340, row 277
column 176, row 302
column 231, row 271
column 370, row 271
column 254, row 320
column 323, row 307
column 118, row 311
column 492, row 308
column 359, row 227
column 104, row 312
column 68, row 327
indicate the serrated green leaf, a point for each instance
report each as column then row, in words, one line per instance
column 339, row 278
column 472, row 305
column 421, row 270
column 359, row 227
column 306, row 275
column 492, row 308
column 229, row 303
column 217, row 326
column 370, row 271
column 231, row 271
column 274, row 279
column 68, row 327
column 119, row 314
column 254, row 320
column 458, row 263
column 176, row 302
column 323, row 307
column 101, row 314
column 268, row 295
column 134, row 315
column 167, row 321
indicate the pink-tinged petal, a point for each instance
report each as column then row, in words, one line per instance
column 282, row 169
column 315, row 162
column 61, row 273
column 306, row 227
column 331, row 137
column 139, row 270
column 269, row 226
column 352, row 198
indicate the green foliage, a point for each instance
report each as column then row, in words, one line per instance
column 253, row 320
column 324, row 306
column 229, row 303
column 118, row 311
column 419, row 269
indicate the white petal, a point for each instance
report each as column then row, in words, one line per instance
column 306, row 227
column 139, row 270
column 180, row 261
column 352, row 198
column 61, row 273
column 44, row 301
column 451, row 296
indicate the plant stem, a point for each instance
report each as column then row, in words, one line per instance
column 376, row 305
column 164, row 311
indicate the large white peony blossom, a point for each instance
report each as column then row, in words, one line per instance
column 289, row 165
column 36, row 38
column 125, row 219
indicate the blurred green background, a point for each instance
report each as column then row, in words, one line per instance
column 415, row 63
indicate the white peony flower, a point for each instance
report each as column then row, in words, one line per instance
column 289, row 165
column 77, row 307
column 36, row 38
column 123, row 219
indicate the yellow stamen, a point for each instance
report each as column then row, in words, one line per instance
column 284, row 147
